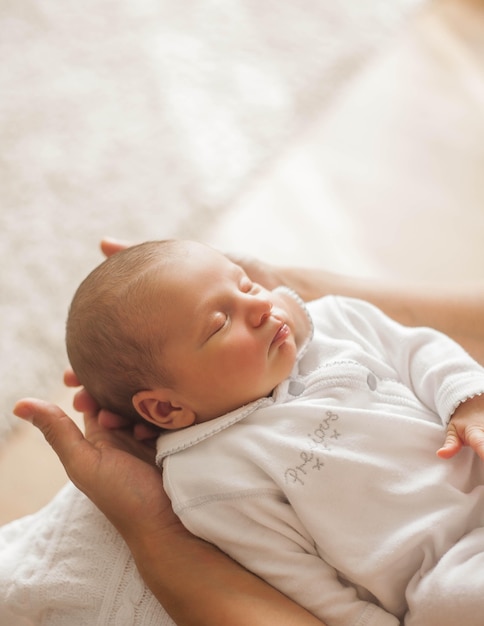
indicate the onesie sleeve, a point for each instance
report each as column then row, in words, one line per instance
column 436, row 368
column 260, row 530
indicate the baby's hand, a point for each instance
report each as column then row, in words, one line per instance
column 466, row 428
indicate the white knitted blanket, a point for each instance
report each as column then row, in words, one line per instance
column 142, row 120
column 67, row 566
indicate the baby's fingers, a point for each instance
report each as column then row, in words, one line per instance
column 475, row 439
column 472, row 436
column 452, row 444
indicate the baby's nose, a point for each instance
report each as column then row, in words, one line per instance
column 260, row 309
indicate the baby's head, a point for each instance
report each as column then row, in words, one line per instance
column 176, row 333
column 114, row 331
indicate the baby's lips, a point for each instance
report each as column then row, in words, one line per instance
column 282, row 334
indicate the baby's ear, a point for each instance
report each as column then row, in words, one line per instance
column 155, row 406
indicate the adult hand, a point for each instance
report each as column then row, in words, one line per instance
column 113, row 469
column 85, row 403
column 259, row 271
column 117, row 473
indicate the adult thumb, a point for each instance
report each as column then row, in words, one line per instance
column 59, row 430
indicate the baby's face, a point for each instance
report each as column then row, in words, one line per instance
column 227, row 340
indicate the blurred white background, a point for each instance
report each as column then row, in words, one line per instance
column 348, row 135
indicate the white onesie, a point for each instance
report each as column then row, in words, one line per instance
column 331, row 489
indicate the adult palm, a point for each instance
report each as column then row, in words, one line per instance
column 113, row 469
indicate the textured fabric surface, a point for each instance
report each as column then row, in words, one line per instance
column 145, row 120
column 67, row 565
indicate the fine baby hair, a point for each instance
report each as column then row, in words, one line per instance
column 113, row 336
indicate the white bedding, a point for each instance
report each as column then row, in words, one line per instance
column 67, row 566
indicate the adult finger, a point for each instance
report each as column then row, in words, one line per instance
column 110, row 246
column 146, row 432
column 84, row 402
column 70, row 379
column 110, row 420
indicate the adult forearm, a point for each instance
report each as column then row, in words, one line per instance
column 200, row 586
column 457, row 310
